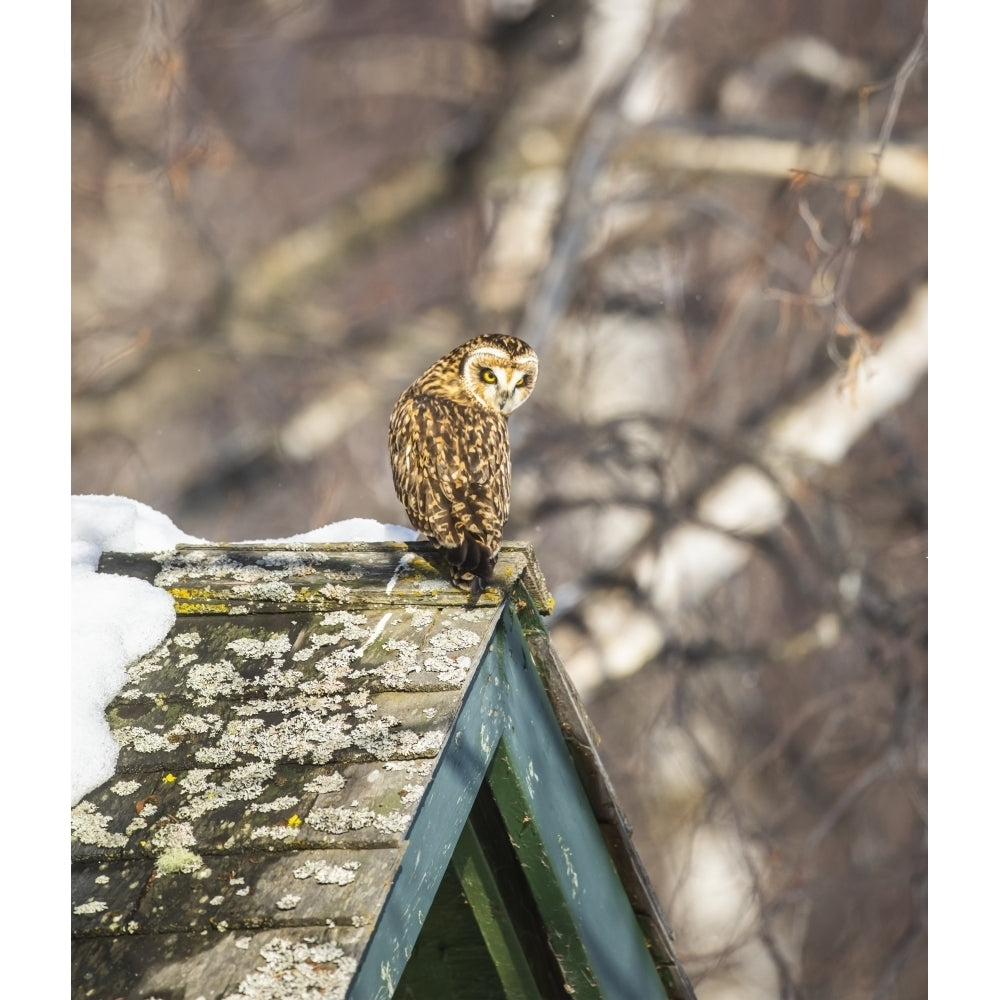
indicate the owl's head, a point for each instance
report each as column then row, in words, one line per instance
column 499, row 371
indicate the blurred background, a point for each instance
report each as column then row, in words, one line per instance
column 711, row 222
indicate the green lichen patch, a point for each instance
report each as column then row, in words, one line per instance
column 178, row 859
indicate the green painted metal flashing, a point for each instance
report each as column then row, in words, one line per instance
column 558, row 841
column 507, row 735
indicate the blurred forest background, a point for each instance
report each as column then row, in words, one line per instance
column 710, row 221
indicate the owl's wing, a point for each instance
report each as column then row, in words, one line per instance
column 458, row 479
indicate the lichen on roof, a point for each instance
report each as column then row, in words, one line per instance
column 272, row 760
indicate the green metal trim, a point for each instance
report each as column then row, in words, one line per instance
column 553, row 831
column 495, row 924
column 506, row 733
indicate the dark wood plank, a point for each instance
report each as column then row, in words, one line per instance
column 250, row 578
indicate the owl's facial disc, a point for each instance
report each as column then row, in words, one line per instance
column 499, row 381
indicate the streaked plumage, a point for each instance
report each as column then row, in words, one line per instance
column 450, row 452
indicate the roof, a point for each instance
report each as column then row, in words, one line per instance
column 327, row 731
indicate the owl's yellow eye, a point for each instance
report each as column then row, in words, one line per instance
column 521, row 382
column 488, row 376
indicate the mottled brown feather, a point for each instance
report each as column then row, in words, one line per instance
column 450, row 457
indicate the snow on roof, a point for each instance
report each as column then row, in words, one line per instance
column 117, row 619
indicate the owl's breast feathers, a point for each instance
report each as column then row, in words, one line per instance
column 451, row 471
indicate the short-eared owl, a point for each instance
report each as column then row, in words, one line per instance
column 450, row 452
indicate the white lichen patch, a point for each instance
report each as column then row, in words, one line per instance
column 268, row 590
column 89, row 826
column 178, row 859
column 428, row 745
column 420, row 618
column 172, row 835
column 394, row 673
column 326, row 874
column 450, row 640
column 150, row 663
column 393, row 822
column 288, row 902
column 411, row 794
column 243, row 943
column 358, row 699
column 91, row 906
column 417, row 767
column 212, row 681
column 256, row 649
column 101, row 879
column 375, row 737
column 275, row 679
column 340, row 819
column 305, row 735
column 189, row 724
column 451, row 671
column 306, row 653
column 406, row 653
column 351, row 625
column 177, row 569
column 187, row 640
column 344, row 819
column 281, row 804
column 325, row 783
column 291, row 563
column 293, row 970
column 141, row 740
column 336, row 592
column 125, row 787
column 275, row 833
column 216, row 756
column 206, row 792
column 383, row 740
column 217, row 901
column 333, row 669
column 472, row 614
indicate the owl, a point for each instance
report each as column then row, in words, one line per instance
column 450, row 453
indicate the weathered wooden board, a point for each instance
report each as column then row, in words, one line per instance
column 244, row 578
column 285, row 964
column 272, row 763
column 256, row 809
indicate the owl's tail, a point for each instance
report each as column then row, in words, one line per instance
column 471, row 564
